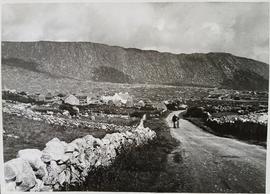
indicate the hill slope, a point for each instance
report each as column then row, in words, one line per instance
column 98, row 62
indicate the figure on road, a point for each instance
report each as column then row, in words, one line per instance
column 175, row 120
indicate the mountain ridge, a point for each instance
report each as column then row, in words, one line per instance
column 131, row 48
column 101, row 62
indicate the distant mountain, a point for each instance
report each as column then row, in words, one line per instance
column 103, row 63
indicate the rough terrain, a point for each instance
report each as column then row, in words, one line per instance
column 216, row 164
column 45, row 62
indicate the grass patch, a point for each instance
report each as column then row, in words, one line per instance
column 35, row 134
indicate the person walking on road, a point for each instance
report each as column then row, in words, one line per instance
column 174, row 120
column 177, row 122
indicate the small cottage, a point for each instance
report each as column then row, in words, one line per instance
column 84, row 99
column 160, row 106
column 72, row 100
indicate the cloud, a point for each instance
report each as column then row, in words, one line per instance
column 237, row 28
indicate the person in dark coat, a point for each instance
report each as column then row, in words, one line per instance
column 174, row 120
column 177, row 122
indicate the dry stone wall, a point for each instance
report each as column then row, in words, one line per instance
column 61, row 163
column 25, row 110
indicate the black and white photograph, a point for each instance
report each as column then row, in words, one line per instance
column 148, row 96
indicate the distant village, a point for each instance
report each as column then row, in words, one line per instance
column 70, row 102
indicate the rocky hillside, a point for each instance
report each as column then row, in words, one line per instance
column 103, row 63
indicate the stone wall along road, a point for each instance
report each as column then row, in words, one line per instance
column 61, row 164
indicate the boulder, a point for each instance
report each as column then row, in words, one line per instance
column 91, row 141
column 33, row 156
column 92, row 149
column 46, row 189
column 70, row 148
column 22, row 172
column 39, row 185
column 103, row 127
column 55, row 149
column 10, row 174
column 62, row 178
column 41, row 172
column 46, row 158
column 80, row 143
column 76, row 109
column 67, row 176
column 75, row 175
column 52, row 177
column 10, row 186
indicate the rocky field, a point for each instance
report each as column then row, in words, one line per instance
column 143, row 161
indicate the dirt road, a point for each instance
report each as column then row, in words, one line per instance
column 208, row 163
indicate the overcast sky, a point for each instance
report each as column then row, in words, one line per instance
column 237, row 28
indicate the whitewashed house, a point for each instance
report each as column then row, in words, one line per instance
column 84, row 99
column 72, row 100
